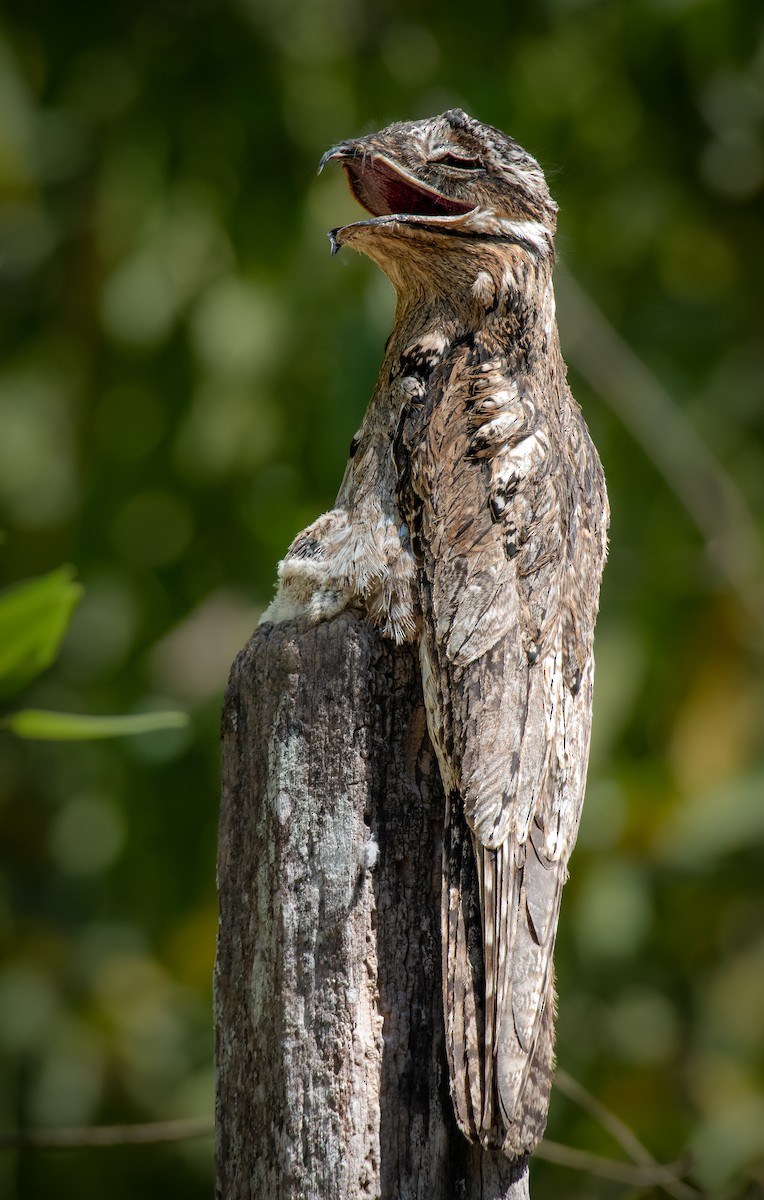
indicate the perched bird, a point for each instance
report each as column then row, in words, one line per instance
column 472, row 520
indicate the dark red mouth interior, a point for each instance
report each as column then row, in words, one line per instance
column 382, row 192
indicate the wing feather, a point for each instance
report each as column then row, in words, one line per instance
column 508, row 525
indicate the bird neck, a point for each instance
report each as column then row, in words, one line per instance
column 506, row 296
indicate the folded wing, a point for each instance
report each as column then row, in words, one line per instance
column 508, row 512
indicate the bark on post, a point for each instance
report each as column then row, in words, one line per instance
column 332, row 1078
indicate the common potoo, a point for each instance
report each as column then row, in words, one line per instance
column 472, row 520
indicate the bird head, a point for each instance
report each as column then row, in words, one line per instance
column 449, row 180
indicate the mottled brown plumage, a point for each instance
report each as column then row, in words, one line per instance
column 472, row 519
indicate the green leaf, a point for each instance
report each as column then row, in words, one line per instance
column 70, row 727
column 34, row 616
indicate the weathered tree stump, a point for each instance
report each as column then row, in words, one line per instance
column 332, row 1076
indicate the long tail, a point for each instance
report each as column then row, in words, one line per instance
column 499, row 911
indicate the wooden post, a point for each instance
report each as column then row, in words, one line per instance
column 332, row 1077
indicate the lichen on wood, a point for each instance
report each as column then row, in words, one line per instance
column 332, row 1076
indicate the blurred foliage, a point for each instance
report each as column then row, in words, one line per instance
column 34, row 617
column 182, row 370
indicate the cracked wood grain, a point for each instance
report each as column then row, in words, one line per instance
column 332, row 1081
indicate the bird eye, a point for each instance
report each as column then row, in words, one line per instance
column 461, row 162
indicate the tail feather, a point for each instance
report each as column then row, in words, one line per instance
column 498, row 984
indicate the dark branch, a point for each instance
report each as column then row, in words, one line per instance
column 619, row 1130
column 88, row 1136
column 658, row 1175
column 708, row 492
column 155, row 1132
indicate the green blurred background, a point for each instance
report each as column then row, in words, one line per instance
column 182, row 369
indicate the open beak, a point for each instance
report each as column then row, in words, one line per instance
column 386, row 189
